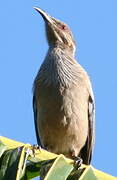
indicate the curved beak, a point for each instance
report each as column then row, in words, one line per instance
column 54, row 32
column 45, row 16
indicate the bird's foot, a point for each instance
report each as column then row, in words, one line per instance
column 77, row 162
column 36, row 147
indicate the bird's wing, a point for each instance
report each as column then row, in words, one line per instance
column 86, row 152
column 35, row 120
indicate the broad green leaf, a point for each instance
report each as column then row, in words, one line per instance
column 76, row 173
column 27, row 160
column 3, row 148
column 13, row 163
column 60, row 169
column 88, row 174
column 9, row 163
column 40, row 154
column 11, row 144
column 25, row 152
column 32, row 170
column 103, row 176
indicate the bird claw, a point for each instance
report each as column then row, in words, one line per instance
column 77, row 162
column 36, row 147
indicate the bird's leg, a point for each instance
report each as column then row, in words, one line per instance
column 36, row 147
column 77, row 160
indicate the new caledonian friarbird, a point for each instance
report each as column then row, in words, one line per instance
column 63, row 100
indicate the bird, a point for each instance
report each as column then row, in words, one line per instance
column 63, row 99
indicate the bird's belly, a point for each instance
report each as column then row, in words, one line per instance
column 62, row 122
column 64, row 137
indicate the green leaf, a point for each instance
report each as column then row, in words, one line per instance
column 25, row 152
column 9, row 162
column 32, row 170
column 3, row 148
column 19, row 161
column 103, row 176
column 75, row 174
column 60, row 169
column 13, row 163
column 11, row 144
column 88, row 174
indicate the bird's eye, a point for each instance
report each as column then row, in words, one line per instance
column 63, row 27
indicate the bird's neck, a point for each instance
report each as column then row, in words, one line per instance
column 59, row 47
column 58, row 69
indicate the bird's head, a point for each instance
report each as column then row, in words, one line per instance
column 58, row 33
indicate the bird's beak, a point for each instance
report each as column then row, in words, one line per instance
column 45, row 16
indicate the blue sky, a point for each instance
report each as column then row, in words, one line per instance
column 23, row 47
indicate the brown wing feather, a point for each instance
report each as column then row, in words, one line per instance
column 35, row 120
column 86, row 152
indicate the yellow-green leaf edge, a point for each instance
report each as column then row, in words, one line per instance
column 45, row 155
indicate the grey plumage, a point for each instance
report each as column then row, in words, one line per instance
column 63, row 100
